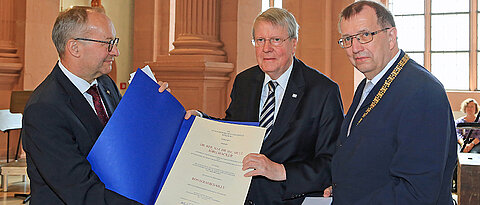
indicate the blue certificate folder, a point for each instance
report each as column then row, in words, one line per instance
column 139, row 144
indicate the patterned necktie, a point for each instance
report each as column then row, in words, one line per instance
column 268, row 110
column 102, row 115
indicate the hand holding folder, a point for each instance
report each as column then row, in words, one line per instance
column 141, row 143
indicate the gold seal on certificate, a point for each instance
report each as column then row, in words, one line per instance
column 208, row 168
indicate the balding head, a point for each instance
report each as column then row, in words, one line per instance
column 69, row 24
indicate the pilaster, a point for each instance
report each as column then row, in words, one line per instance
column 10, row 64
column 196, row 69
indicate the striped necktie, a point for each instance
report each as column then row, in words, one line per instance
column 268, row 110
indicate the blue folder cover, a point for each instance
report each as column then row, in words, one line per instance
column 141, row 141
column 135, row 147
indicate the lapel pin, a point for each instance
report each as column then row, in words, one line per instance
column 108, row 92
column 294, row 95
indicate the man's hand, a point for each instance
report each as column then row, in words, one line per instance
column 163, row 86
column 327, row 192
column 262, row 166
column 468, row 147
column 190, row 113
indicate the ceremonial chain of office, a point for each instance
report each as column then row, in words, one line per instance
column 386, row 85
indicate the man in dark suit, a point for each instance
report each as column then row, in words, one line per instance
column 397, row 144
column 302, row 122
column 68, row 110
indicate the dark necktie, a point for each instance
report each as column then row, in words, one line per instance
column 268, row 110
column 97, row 102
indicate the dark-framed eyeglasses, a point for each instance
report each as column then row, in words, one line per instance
column 259, row 42
column 111, row 43
column 363, row 38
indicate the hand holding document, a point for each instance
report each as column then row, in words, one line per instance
column 208, row 169
column 149, row 153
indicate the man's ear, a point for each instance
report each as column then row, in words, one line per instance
column 295, row 41
column 392, row 37
column 72, row 47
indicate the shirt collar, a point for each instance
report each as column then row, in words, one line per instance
column 81, row 84
column 282, row 80
column 382, row 73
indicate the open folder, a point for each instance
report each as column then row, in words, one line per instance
column 149, row 153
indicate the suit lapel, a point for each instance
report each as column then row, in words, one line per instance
column 295, row 87
column 354, row 105
column 79, row 105
column 107, row 97
column 351, row 111
column 256, row 94
column 363, row 106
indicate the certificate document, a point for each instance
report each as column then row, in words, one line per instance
column 208, row 168
column 142, row 141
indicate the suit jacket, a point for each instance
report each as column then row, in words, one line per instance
column 59, row 129
column 303, row 136
column 404, row 150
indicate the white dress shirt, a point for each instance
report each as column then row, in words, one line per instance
column 279, row 91
column 81, row 84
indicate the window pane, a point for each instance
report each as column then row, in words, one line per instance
column 450, row 32
column 277, row 3
column 478, row 30
column 451, row 69
column 411, row 32
column 478, row 70
column 265, row 5
column 445, row 6
column 417, row 57
column 399, row 7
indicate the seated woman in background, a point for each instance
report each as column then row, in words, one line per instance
column 471, row 108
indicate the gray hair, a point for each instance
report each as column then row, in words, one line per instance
column 69, row 24
column 280, row 17
column 384, row 17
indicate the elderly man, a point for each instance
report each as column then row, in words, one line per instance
column 300, row 107
column 397, row 144
column 68, row 110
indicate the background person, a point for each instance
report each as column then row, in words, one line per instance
column 471, row 108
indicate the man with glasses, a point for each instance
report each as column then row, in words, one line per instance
column 68, row 110
column 300, row 107
column 397, row 142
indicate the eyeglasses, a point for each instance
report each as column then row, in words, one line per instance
column 110, row 43
column 363, row 38
column 259, row 42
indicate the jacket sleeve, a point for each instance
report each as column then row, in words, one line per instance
column 425, row 139
column 50, row 143
column 314, row 175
